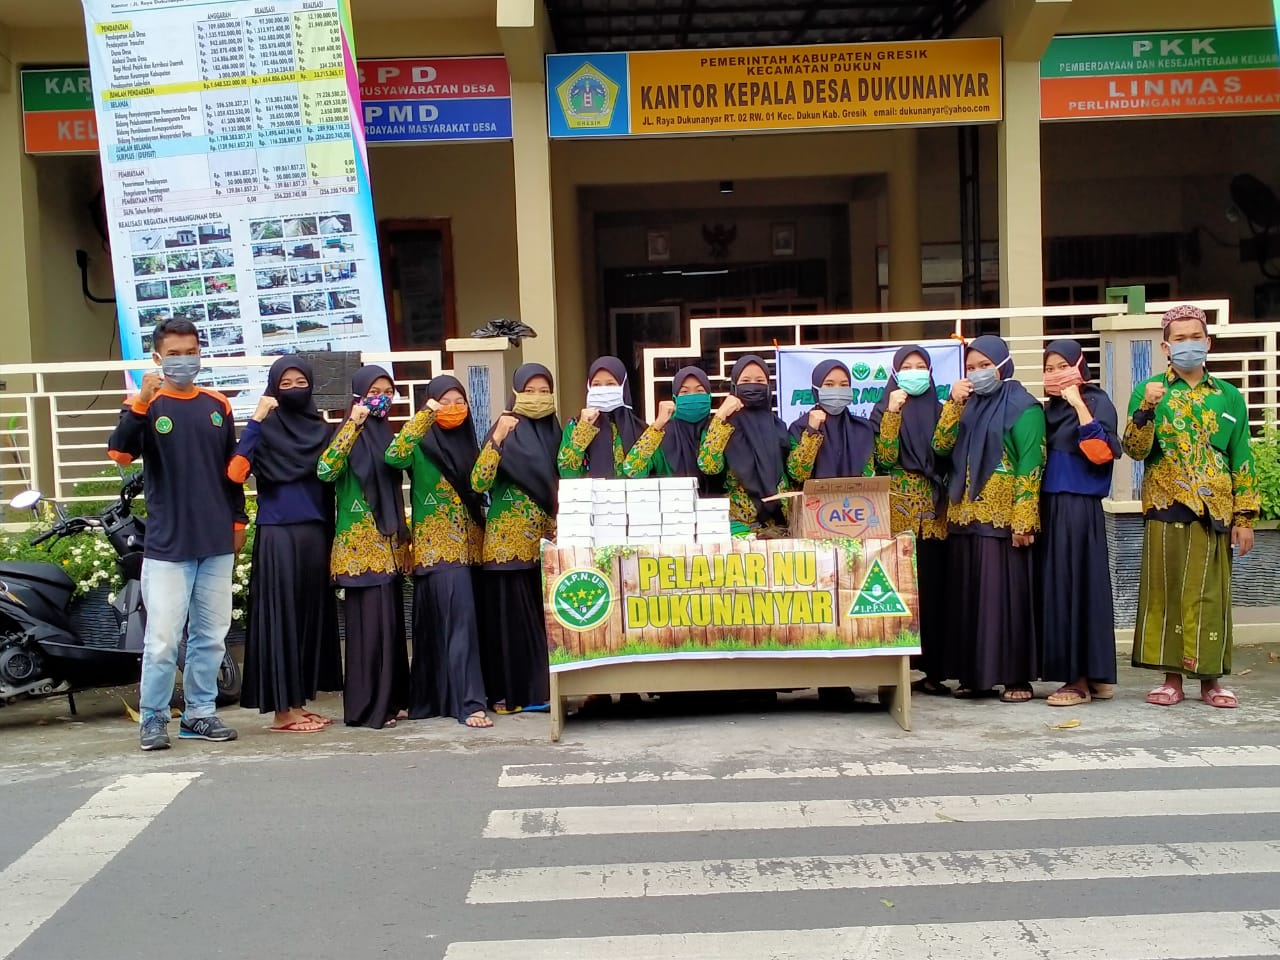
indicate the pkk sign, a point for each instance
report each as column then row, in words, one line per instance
column 779, row 598
column 1182, row 73
column 762, row 89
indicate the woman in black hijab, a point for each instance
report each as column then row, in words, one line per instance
column 292, row 624
column 749, row 445
column 906, row 417
column 438, row 447
column 368, row 556
column 830, row 441
column 596, row 443
column 517, row 469
column 1077, row 628
column 993, row 430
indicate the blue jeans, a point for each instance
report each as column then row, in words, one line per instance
column 189, row 593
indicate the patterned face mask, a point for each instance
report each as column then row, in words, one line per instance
column 379, row 406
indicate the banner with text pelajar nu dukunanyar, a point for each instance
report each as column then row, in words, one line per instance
column 739, row 598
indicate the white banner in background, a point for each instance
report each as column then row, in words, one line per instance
column 236, row 179
column 870, row 368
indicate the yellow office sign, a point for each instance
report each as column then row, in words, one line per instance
column 779, row 88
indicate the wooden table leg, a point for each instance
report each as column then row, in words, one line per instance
column 556, row 709
column 900, row 706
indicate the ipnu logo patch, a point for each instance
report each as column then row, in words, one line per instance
column 164, row 425
column 581, row 599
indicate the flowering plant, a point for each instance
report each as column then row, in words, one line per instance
column 90, row 561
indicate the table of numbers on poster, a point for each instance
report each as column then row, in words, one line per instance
column 249, row 108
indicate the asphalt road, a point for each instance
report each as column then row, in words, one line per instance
column 748, row 831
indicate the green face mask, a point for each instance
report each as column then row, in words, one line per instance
column 693, row 407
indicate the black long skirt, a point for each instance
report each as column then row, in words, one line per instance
column 445, row 678
column 513, row 643
column 377, row 656
column 932, row 558
column 993, row 639
column 1077, row 621
column 289, row 618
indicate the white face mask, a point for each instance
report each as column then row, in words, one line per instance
column 606, row 399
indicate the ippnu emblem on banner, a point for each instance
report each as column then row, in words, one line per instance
column 581, row 599
column 878, row 597
column 588, row 98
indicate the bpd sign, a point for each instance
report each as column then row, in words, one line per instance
column 421, row 100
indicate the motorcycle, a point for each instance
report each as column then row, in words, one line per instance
column 41, row 652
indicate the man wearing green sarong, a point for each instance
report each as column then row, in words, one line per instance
column 1200, row 498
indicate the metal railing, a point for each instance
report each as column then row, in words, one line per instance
column 55, row 430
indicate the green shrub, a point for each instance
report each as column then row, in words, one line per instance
column 1266, row 459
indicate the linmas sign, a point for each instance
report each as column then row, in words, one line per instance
column 774, row 89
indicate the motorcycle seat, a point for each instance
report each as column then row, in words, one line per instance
column 35, row 573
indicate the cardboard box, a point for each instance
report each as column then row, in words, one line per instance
column 854, row 508
column 719, row 505
column 645, row 484
column 678, row 483
column 575, row 491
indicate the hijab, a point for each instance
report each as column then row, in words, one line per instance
column 919, row 420
column 455, row 450
column 681, row 440
column 848, row 441
column 293, row 436
column 530, row 450
column 379, row 482
column 1061, row 422
column 629, row 426
column 757, row 450
column 984, row 422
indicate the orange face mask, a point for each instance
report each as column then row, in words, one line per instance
column 451, row 416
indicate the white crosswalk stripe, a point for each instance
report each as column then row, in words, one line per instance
column 603, row 773
column 36, row 885
column 531, row 844
column 793, row 814
column 1179, row 936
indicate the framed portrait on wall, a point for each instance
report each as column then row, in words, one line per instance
column 658, row 246
column 783, row 239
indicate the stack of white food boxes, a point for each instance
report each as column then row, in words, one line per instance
column 597, row 513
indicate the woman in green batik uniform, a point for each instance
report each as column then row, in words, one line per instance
column 517, row 468
column 368, row 554
column 906, row 416
column 830, row 441
column 438, row 447
column 749, row 445
column 1200, row 498
column 994, row 432
column 607, row 434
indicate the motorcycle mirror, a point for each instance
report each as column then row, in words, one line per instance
column 26, row 500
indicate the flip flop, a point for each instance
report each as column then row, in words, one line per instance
column 1068, row 696
column 538, row 708
column 478, row 715
column 318, row 718
column 1220, row 697
column 968, row 693
column 297, row 726
column 1165, row 696
column 931, row 687
column 1007, row 695
column 504, row 711
column 1102, row 691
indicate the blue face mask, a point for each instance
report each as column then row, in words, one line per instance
column 605, row 399
column 914, row 382
column 985, row 382
column 1189, row 355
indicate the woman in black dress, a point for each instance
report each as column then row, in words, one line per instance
column 291, row 647
column 1077, row 625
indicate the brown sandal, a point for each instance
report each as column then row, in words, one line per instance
column 1068, row 696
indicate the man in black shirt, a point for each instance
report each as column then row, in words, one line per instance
column 195, row 526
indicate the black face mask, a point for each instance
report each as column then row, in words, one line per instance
column 752, row 394
column 295, row 398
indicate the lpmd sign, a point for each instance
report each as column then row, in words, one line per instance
column 415, row 100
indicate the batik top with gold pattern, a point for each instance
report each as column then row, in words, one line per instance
column 361, row 555
column 444, row 532
column 914, row 505
column 1009, row 502
column 1195, row 443
column 515, row 526
column 644, row 459
column 743, row 517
